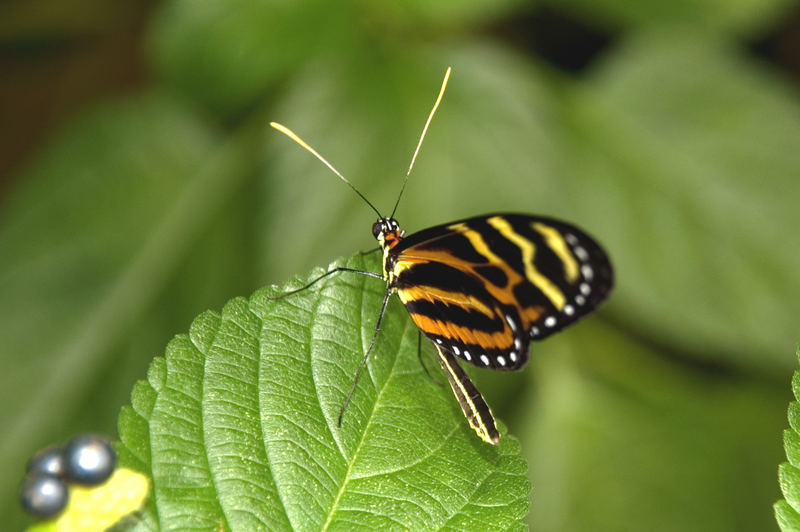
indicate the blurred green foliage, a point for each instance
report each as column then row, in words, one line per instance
column 676, row 147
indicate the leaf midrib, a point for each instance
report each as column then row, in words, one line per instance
column 362, row 439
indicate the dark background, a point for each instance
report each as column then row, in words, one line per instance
column 140, row 185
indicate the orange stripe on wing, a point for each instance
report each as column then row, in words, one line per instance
column 464, row 334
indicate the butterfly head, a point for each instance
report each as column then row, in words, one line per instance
column 387, row 232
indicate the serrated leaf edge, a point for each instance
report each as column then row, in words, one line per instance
column 787, row 510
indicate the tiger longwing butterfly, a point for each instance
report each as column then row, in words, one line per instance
column 481, row 289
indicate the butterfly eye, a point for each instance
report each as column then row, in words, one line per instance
column 377, row 228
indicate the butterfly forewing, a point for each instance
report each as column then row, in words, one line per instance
column 483, row 287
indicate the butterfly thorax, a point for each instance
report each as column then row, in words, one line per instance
column 388, row 233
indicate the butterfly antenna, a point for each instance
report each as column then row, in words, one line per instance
column 292, row 135
column 422, row 137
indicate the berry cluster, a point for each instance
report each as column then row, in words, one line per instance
column 87, row 459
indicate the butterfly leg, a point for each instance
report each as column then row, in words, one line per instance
column 323, row 276
column 366, row 355
column 422, row 361
column 472, row 403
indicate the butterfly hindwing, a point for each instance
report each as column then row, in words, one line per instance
column 483, row 287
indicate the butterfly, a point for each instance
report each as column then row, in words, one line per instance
column 481, row 289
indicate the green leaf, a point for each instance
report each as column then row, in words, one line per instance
column 241, row 420
column 787, row 517
column 787, row 511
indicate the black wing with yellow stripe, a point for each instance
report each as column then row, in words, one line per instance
column 484, row 287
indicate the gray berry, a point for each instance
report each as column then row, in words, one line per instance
column 43, row 495
column 49, row 460
column 89, row 459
